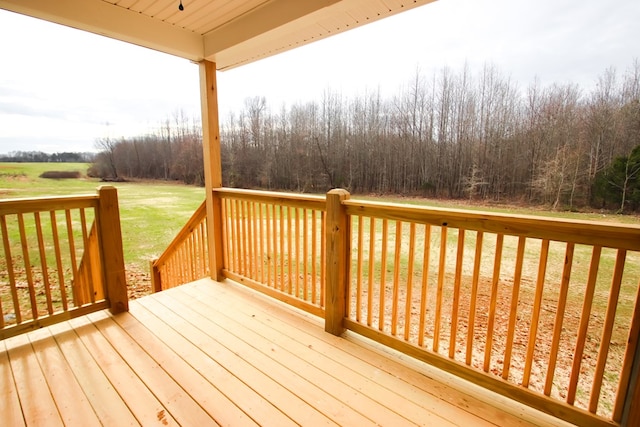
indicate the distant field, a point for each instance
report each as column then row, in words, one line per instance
column 151, row 213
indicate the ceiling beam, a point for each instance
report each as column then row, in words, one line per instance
column 260, row 20
column 103, row 18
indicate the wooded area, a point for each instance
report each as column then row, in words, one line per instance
column 453, row 134
column 40, row 157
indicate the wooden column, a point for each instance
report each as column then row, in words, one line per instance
column 628, row 410
column 111, row 249
column 156, row 278
column 338, row 237
column 212, row 164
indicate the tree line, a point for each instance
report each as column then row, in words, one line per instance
column 41, row 157
column 451, row 134
column 172, row 152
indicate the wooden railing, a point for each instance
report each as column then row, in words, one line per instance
column 62, row 258
column 544, row 311
column 274, row 243
column 186, row 258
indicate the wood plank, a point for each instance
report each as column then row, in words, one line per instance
column 73, row 405
column 281, row 235
column 305, row 255
column 24, row 243
column 72, row 256
column 177, row 401
column 262, row 378
column 371, row 262
column 396, row 278
column 43, row 263
column 585, row 316
column 513, row 311
column 359, row 261
column 42, row 204
column 535, row 314
column 383, row 275
column 176, row 355
column 455, row 305
column 557, row 330
column 439, row 292
column 105, row 400
column 409, row 296
column 196, row 219
column 386, row 391
column 272, row 197
column 262, row 362
column 400, row 366
column 57, row 251
column 268, row 361
column 10, row 409
column 10, row 270
column 290, row 256
column 425, row 283
column 495, row 282
column 591, row 233
column 607, row 330
column 474, row 297
column 38, row 406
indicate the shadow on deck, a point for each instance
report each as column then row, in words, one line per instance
column 209, row 353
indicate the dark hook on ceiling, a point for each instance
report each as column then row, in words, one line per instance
column 180, row 6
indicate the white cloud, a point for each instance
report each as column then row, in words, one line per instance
column 64, row 85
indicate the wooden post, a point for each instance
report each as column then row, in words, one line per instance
column 111, row 249
column 629, row 411
column 212, row 165
column 156, row 278
column 631, row 414
column 338, row 246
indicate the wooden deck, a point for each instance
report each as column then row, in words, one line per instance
column 218, row 354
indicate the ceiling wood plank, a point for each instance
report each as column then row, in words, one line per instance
column 103, row 18
column 228, row 32
column 261, row 20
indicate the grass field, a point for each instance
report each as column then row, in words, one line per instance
column 151, row 213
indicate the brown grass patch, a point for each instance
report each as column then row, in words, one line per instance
column 61, row 175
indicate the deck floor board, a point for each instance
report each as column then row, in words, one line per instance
column 386, row 406
column 70, row 400
column 211, row 353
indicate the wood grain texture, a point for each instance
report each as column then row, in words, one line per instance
column 221, row 354
column 113, row 255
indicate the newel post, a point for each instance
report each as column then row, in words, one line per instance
column 156, row 278
column 111, row 249
column 338, row 238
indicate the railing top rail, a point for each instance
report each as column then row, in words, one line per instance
column 279, row 198
column 198, row 216
column 44, row 204
column 596, row 233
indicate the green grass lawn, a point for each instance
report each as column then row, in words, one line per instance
column 151, row 213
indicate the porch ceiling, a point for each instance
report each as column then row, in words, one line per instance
column 228, row 32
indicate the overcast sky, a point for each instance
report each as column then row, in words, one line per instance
column 61, row 89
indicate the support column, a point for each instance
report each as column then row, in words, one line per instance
column 212, row 164
column 112, row 252
column 338, row 237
